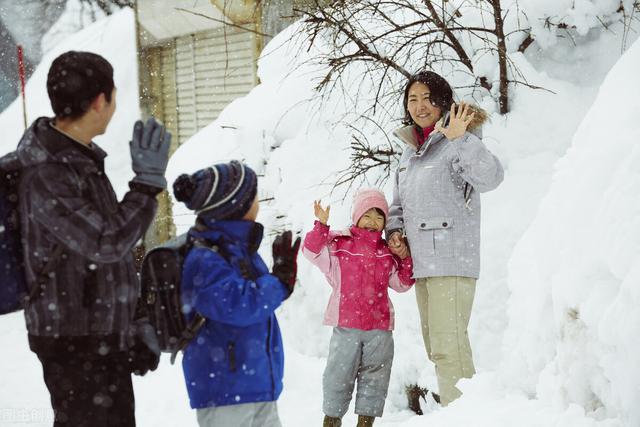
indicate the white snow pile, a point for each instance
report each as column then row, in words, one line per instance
column 574, row 276
column 74, row 18
column 545, row 16
column 113, row 38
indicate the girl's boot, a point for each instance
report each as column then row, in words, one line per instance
column 331, row 422
column 365, row 421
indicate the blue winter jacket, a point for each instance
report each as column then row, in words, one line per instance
column 237, row 357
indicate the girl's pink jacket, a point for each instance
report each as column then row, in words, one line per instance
column 360, row 268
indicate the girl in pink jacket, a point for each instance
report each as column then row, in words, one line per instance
column 360, row 268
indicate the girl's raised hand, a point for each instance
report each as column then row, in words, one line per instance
column 321, row 214
column 459, row 119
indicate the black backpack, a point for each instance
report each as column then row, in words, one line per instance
column 14, row 292
column 13, row 289
column 161, row 280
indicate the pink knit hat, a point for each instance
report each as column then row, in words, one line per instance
column 366, row 199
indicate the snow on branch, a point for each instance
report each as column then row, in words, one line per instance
column 108, row 6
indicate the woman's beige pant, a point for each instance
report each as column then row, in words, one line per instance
column 445, row 307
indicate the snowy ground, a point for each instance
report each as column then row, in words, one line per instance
column 555, row 304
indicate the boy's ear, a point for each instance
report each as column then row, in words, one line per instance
column 99, row 103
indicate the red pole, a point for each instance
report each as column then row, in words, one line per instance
column 22, row 84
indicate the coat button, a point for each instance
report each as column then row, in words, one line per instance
column 423, row 225
column 445, row 225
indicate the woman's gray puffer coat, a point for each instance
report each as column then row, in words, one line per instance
column 436, row 199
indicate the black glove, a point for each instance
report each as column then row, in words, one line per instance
column 144, row 355
column 285, row 266
column 150, row 153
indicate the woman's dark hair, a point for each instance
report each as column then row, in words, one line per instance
column 441, row 93
column 75, row 79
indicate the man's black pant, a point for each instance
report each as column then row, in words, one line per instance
column 90, row 390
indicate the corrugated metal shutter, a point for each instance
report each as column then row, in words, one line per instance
column 225, row 70
column 211, row 69
column 185, row 83
column 169, row 91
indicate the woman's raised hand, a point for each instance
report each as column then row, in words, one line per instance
column 321, row 214
column 459, row 119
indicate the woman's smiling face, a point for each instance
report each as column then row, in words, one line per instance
column 423, row 113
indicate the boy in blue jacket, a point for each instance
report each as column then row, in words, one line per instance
column 233, row 367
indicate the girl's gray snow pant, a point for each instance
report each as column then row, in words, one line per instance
column 258, row 414
column 362, row 355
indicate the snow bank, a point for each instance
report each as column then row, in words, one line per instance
column 74, row 18
column 113, row 38
column 573, row 317
column 580, row 16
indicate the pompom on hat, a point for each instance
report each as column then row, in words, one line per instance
column 366, row 199
column 222, row 191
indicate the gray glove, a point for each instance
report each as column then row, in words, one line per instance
column 150, row 153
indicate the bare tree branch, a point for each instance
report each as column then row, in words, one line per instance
column 226, row 23
column 382, row 40
column 107, row 5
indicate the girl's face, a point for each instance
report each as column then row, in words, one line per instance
column 423, row 113
column 371, row 220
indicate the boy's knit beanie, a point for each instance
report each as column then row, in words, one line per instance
column 366, row 199
column 222, row 191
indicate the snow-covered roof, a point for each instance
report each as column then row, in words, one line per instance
column 162, row 20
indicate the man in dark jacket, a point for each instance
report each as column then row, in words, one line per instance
column 78, row 241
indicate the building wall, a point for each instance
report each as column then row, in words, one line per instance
column 154, row 102
column 276, row 16
column 186, row 82
column 191, row 79
column 212, row 69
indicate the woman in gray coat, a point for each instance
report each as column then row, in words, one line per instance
column 436, row 209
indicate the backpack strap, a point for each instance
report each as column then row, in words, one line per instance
column 246, row 270
column 188, row 334
column 198, row 320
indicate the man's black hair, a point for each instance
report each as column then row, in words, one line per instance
column 441, row 92
column 75, row 79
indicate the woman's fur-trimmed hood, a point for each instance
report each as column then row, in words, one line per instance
column 480, row 117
